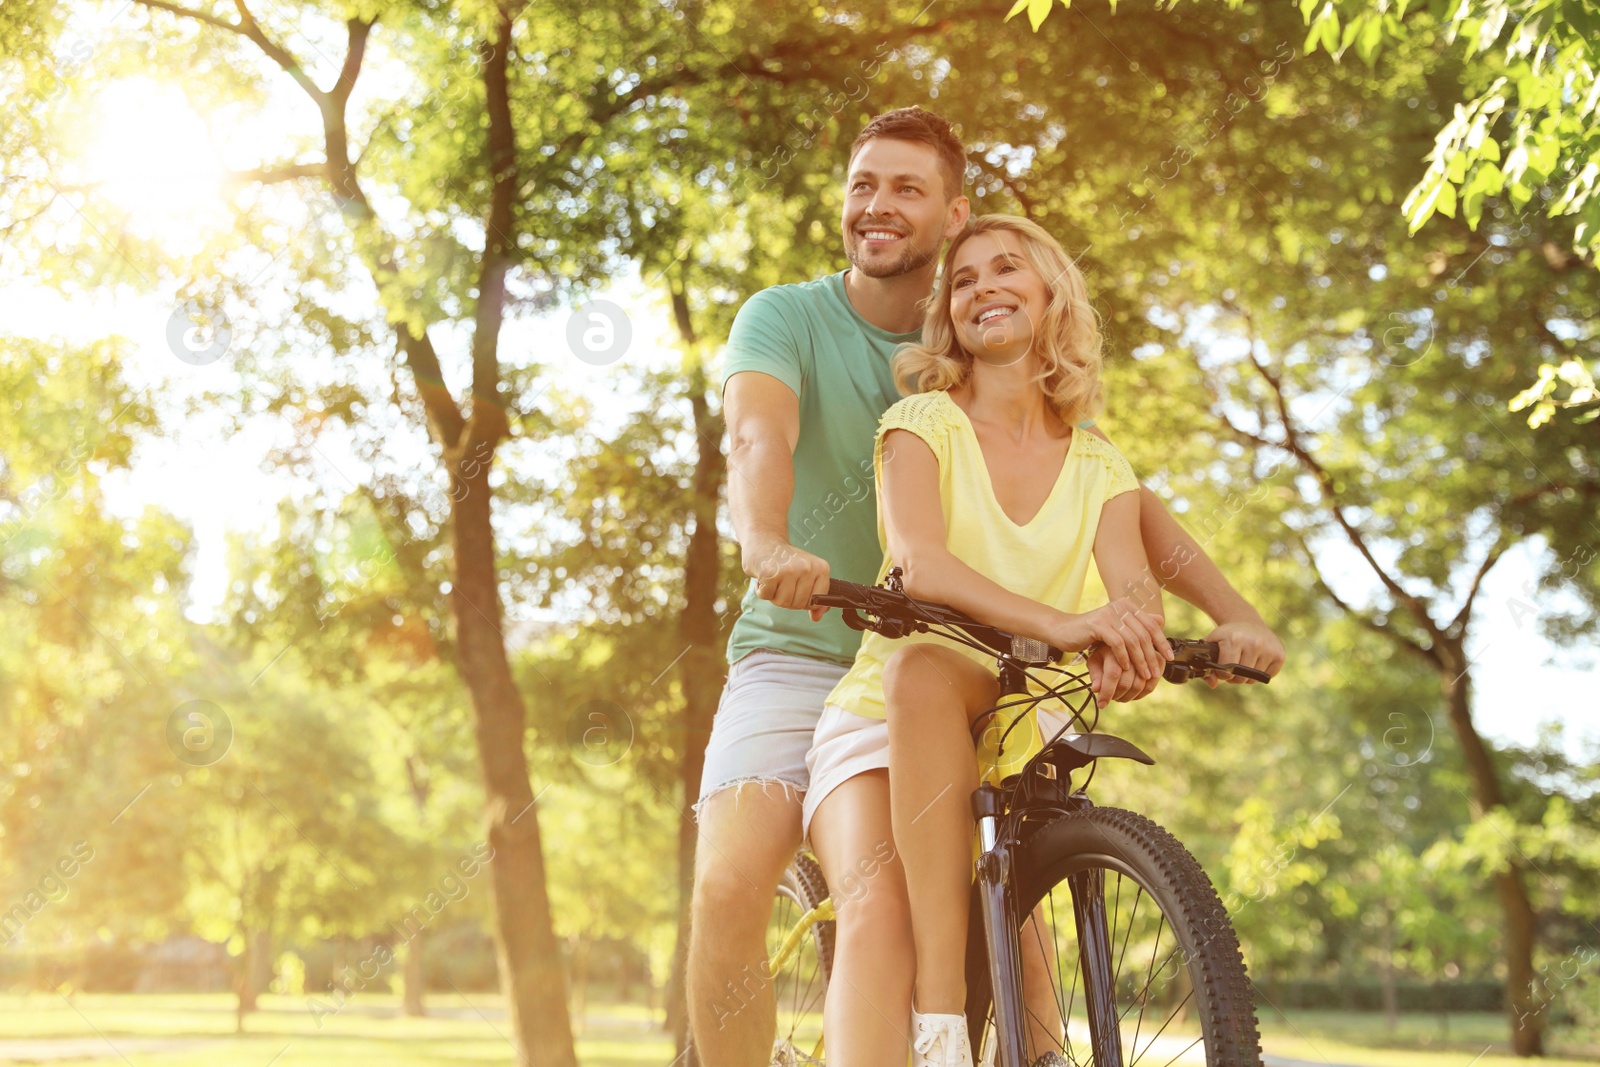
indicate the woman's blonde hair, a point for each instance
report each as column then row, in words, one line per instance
column 1066, row 337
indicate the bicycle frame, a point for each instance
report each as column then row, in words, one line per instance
column 996, row 891
column 1000, row 804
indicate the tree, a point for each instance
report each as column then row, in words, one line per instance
column 1538, row 113
column 1529, row 129
column 265, row 858
column 1344, row 367
column 472, row 198
column 93, row 638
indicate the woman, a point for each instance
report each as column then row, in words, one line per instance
column 991, row 502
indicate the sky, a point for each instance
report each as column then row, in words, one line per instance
column 154, row 154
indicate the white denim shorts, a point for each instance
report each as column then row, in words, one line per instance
column 764, row 722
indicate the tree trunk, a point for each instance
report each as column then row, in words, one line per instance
column 704, row 664
column 580, row 980
column 413, row 978
column 1391, row 999
column 1527, row 1021
column 527, row 952
column 255, row 974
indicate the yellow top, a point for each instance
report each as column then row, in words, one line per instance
column 1047, row 559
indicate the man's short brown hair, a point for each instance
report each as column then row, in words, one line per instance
column 922, row 127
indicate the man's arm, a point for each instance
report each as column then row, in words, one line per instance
column 1182, row 566
column 763, row 416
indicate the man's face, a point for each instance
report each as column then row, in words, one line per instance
column 895, row 214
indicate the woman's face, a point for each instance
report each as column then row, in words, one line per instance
column 997, row 299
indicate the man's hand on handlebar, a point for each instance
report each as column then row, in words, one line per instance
column 785, row 575
column 1252, row 644
column 1129, row 638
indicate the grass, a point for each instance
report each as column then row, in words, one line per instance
column 196, row 1030
column 1419, row 1040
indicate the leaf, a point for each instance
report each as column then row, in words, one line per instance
column 1427, row 195
column 1371, row 39
column 1447, row 201
column 1472, row 207
column 1016, row 9
column 1353, row 27
column 1325, row 29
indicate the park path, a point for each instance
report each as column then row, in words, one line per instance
column 47, row 1049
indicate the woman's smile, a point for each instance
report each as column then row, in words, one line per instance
column 996, row 298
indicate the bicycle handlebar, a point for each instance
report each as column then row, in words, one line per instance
column 894, row 614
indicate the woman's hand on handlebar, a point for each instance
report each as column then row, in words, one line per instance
column 1111, row 683
column 1132, row 639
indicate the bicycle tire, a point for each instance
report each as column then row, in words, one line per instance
column 1137, row 850
column 804, row 878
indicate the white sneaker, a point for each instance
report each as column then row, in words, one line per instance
column 939, row 1041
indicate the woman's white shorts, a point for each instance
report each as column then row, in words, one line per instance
column 847, row 744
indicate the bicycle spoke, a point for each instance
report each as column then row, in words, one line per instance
column 1038, row 936
column 1164, row 1025
column 797, row 989
column 1132, row 915
column 1150, row 976
column 1073, row 999
column 1146, row 987
column 1183, row 1051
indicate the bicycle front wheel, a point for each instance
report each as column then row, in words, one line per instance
column 1128, row 956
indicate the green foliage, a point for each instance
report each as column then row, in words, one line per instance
column 1535, row 123
column 1545, row 394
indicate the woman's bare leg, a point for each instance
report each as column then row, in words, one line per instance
column 868, row 1013
column 933, row 694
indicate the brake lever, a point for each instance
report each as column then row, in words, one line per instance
column 1178, row 673
column 1244, row 672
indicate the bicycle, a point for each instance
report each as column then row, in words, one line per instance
column 1045, row 850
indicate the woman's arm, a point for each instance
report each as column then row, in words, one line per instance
column 914, row 523
column 1119, row 555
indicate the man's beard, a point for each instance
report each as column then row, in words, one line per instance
column 910, row 259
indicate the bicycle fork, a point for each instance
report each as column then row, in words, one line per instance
column 1094, row 957
column 1000, row 930
column 997, row 901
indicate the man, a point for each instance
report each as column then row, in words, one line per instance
column 806, row 378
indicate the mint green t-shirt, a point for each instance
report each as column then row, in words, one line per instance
column 809, row 337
